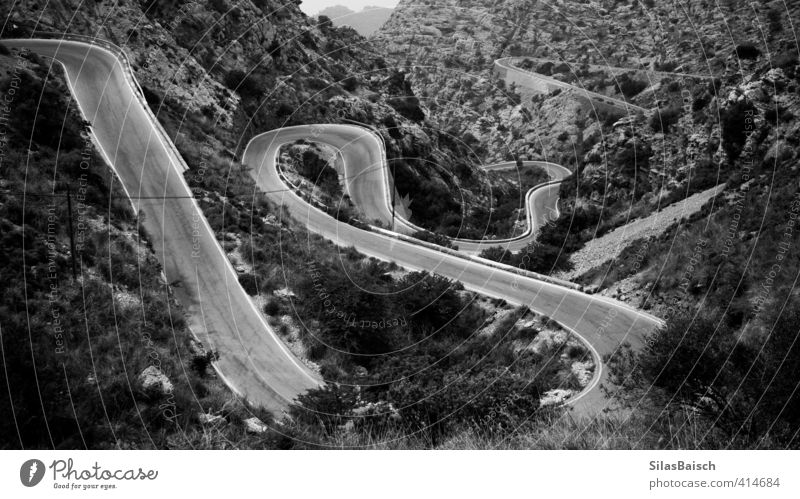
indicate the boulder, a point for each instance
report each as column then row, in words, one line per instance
column 154, row 381
column 547, row 340
column 554, row 397
column 211, row 419
column 255, row 426
column 197, row 349
column 284, row 293
column 754, row 91
column 583, row 371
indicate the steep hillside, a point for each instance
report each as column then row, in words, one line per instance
column 95, row 349
column 216, row 73
column 237, row 69
column 691, row 35
column 623, row 168
column 725, row 277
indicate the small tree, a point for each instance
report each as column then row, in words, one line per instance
column 324, row 22
column 747, row 51
column 664, row 119
column 250, row 283
column 497, row 254
column 430, row 237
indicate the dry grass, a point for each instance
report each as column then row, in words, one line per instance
column 620, row 430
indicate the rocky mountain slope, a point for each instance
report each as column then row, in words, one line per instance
column 725, row 277
column 234, row 69
column 96, row 350
column 215, row 73
column 693, row 35
column 623, row 168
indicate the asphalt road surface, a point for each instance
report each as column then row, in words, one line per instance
column 253, row 361
column 368, row 182
column 541, row 206
column 509, row 64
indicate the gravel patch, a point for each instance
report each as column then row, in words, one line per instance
column 609, row 246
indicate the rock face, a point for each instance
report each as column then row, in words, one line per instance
column 155, row 382
column 605, row 32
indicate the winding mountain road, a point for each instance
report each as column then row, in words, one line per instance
column 512, row 73
column 253, row 360
column 601, row 322
column 541, row 207
column 368, row 182
column 614, row 70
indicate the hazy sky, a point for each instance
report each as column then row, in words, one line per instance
column 311, row 7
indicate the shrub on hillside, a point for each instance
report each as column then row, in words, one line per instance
column 737, row 122
column 747, row 51
column 697, row 361
column 246, row 84
column 629, row 86
column 249, row 283
column 430, row 237
column 663, row 120
column 497, row 254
